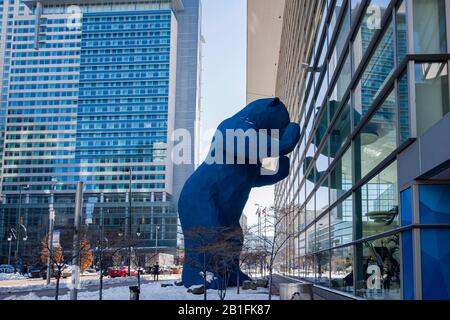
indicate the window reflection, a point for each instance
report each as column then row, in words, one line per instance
column 310, row 210
column 403, row 107
column 322, row 197
column 370, row 24
column 341, row 176
column 341, row 131
column 379, row 265
column 379, row 202
column 340, row 44
column 432, row 98
column 322, row 268
column 402, row 33
column 429, row 26
column 309, row 268
column 323, row 233
column 375, row 75
column 341, row 223
column 342, row 83
column 378, row 138
column 342, row 269
column 310, row 240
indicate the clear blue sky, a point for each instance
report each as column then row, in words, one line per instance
column 224, row 75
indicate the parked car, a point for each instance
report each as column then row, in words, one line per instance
column 89, row 271
column 34, row 271
column 65, row 273
column 117, row 272
column 121, row 272
column 6, row 268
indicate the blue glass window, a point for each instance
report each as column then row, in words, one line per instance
column 407, row 209
column 435, row 256
column 434, row 204
column 408, row 265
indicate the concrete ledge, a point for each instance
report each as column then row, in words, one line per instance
column 320, row 293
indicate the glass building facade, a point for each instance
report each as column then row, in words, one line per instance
column 89, row 94
column 368, row 217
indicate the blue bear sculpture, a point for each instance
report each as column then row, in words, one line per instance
column 213, row 198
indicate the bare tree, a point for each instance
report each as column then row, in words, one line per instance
column 60, row 260
column 275, row 238
column 109, row 245
column 212, row 253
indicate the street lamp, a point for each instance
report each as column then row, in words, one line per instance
column 19, row 222
column 130, row 221
column 156, row 244
column 51, row 224
column 12, row 233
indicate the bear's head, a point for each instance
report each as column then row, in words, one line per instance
column 267, row 114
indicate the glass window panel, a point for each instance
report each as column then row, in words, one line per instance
column 355, row 5
column 341, row 131
column 323, row 233
column 340, row 44
column 322, row 269
column 379, row 263
column 334, row 17
column 342, row 269
column 322, row 197
column 341, row 223
column 403, row 106
column 408, row 265
column 378, row 138
column 322, row 87
column 302, row 194
column 321, row 28
column 310, row 182
column 302, row 218
column 402, row 33
column 429, row 26
column 379, row 202
column 310, row 210
column 322, row 125
column 322, row 161
column 434, row 204
column 435, row 264
column 371, row 23
column 309, row 268
column 341, row 177
column 343, row 81
column 431, row 94
column 407, row 210
column 375, row 75
column 310, row 240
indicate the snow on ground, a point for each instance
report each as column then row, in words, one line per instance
column 27, row 286
column 11, row 276
column 154, row 291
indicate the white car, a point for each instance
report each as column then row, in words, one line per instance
column 6, row 268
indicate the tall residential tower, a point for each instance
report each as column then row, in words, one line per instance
column 92, row 91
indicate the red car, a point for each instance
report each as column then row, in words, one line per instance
column 121, row 272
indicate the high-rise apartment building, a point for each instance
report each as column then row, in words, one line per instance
column 367, row 201
column 92, row 91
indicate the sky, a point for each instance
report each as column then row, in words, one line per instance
column 224, row 28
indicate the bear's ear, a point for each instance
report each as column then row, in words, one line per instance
column 275, row 102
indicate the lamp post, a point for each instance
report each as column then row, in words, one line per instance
column 19, row 223
column 130, row 221
column 156, row 238
column 51, row 224
column 12, row 233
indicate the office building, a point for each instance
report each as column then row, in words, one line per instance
column 367, row 202
column 92, row 91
